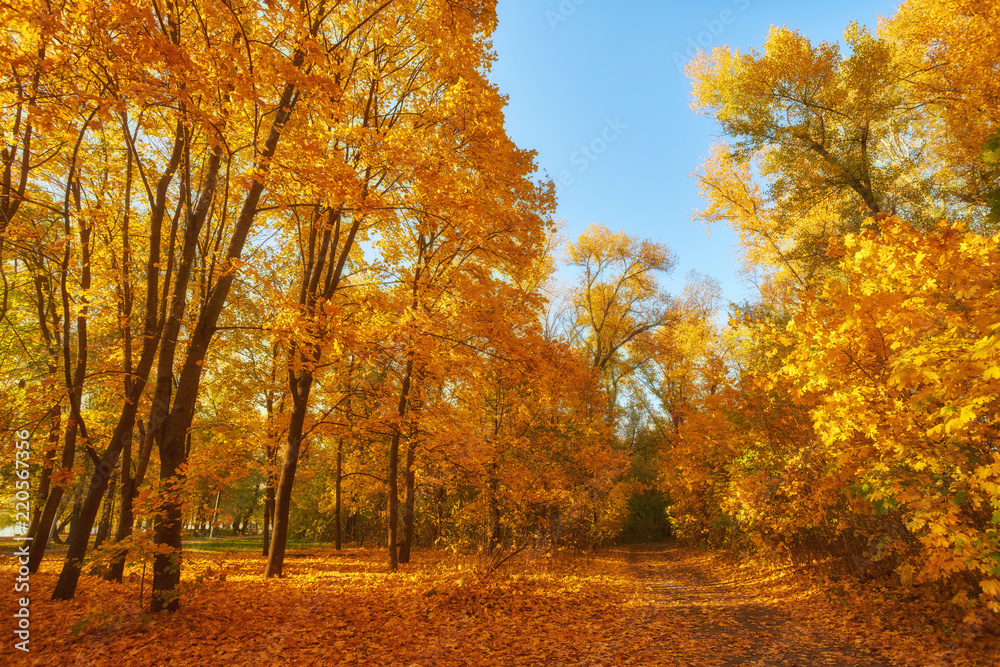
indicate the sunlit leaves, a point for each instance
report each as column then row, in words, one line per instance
column 619, row 297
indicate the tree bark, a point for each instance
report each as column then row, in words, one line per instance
column 79, row 536
column 493, row 493
column 213, row 530
column 48, row 461
column 104, row 525
column 393, row 479
column 271, row 450
column 409, row 477
column 339, row 482
column 130, row 490
column 268, row 514
column 37, row 550
column 300, row 393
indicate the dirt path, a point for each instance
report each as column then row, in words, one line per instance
column 720, row 617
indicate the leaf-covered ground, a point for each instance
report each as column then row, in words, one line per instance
column 659, row 605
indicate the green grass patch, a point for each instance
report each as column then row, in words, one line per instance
column 254, row 544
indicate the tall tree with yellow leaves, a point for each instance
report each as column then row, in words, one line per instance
column 835, row 139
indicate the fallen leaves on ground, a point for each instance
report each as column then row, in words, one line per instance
column 643, row 606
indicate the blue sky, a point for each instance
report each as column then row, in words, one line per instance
column 604, row 74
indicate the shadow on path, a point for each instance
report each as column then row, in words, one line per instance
column 733, row 620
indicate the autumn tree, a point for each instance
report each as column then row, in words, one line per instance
column 672, row 360
column 618, row 298
column 835, row 139
column 945, row 51
column 469, row 257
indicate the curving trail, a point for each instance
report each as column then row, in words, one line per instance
column 710, row 616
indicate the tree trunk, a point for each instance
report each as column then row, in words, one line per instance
column 46, row 307
column 249, row 512
column 268, row 514
column 408, row 503
column 134, row 384
column 330, row 259
column 78, row 540
column 272, row 475
column 351, row 528
column 57, row 528
column 339, row 482
column 493, row 492
column 271, row 450
column 74, row 386
column 124, row 514
column 48, row 461
column 300, row 387
column 169, row 519
column 214, row 529
column 393, row 499
column 104, row 525
column 130, row 490
column 74, row 515
column 37, row 550
column 74, row 374
column 85, row 512
column 393, row 479
column 153, row 329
